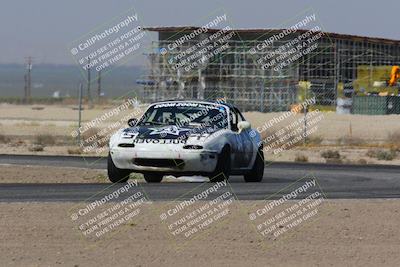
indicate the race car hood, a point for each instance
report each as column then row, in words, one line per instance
column 167, row 132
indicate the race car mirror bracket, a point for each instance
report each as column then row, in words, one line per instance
column 132, row 122
column 243, row 125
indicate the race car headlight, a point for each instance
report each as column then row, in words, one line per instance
column 192, row 147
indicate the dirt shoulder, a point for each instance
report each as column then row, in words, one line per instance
column 345, row 233
column 45, row 174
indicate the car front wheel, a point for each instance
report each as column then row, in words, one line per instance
column 257, row 172
column 116, row 175
column 223, row 168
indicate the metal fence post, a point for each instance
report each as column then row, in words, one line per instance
column 80, row 112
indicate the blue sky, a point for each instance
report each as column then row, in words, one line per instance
column 44, row 28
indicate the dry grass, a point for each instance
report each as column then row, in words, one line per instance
column 17, row 143
column 356, row 162
column 90, row 133
column 362, row 161
column 4, row 139
column 36, row 148
column 98, row 178
column 74, row 151
column 350, row 141
column 92, row 136
column 332, row 156
column 393, row 140
column 281, row 136
column 44, row 140
column 314, row 140
column 93, row 141
column 381, row 154
column 301, row 158
column 28, row 124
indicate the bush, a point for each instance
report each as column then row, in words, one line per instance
column 362, row 162
column 301, row 158
column 331, row 154
column 44, row 140
column 74, row 151
column 381, row 154
column 4, row 139
column 36, row 148
column 386, row 155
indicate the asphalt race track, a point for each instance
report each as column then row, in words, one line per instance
column 335, row 182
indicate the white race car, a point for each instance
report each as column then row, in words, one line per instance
column 182, row 138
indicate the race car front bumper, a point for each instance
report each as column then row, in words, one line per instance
column 168, row 161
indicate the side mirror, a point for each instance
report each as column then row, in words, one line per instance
column 243, row 125
column 132, row 122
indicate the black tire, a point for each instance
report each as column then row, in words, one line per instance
column 153, row 177
column 223, row 168
column 116, row 175
column 257, row 172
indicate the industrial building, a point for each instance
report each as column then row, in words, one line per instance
column 331, row 66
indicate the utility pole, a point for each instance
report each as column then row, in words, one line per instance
column 25, row 100
column 88, row 83
column 27, row 78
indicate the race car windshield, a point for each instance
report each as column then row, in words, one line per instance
column 185, row 114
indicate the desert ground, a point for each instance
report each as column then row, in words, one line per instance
column 344, row 233
column 61, row 120
column 359, row 139
column 45, row 174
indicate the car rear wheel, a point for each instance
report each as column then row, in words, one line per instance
column 223, row 168
column 153, row 177
column 257, row 172
column 116, row 175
